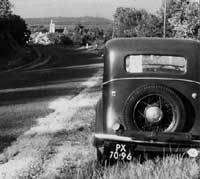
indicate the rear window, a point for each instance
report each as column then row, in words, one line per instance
column 155, row 64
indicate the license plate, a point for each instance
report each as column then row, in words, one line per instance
column 120, row 152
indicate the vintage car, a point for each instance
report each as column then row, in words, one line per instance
column 150, row 98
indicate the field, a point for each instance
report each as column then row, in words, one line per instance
column 70, row 22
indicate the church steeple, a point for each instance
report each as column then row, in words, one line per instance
column 52, row 27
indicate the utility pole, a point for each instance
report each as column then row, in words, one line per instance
column 113, row 30
column 165, row 14
column 198, row 11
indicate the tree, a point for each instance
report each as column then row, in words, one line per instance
column 182, row 18
column 11, row 24
column 186, row 21
column 55, row 38
column 130, row 22
column 66, row 40
column 16, row 27
column 5, row 8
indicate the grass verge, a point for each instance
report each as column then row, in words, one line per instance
column 170, row 167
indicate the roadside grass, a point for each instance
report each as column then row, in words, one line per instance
column 24, row 116
column 18, row 115
column 69, row 148
column 171, row 167
column 41, row 149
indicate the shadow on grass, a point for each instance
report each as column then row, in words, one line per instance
column 5, row 141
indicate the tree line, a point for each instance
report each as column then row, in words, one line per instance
column 81, row 35
column 183, row 21
column 13, row 29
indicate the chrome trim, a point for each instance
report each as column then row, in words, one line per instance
column 198, row 141
column 151, row 78
column 124, row 139
column 129, row 139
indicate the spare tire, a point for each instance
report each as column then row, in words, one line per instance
column 156, row 108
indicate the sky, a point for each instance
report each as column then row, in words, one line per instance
column 78, row 8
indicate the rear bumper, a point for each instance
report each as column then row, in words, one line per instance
column 148, row 143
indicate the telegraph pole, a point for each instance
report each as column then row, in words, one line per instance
column 198, row 11
column 165, row 14
column 113, row 30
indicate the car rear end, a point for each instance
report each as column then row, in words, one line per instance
column 150, row 98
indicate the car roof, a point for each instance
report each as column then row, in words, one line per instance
column 154, row 45
column 116, row 51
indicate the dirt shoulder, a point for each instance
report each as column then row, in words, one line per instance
column 59, row 141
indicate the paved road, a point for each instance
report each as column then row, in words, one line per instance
column 25, row 95
column 44, row 83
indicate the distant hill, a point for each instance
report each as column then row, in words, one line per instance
column 69, row 21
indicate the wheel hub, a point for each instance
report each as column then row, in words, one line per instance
column 153, row 114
